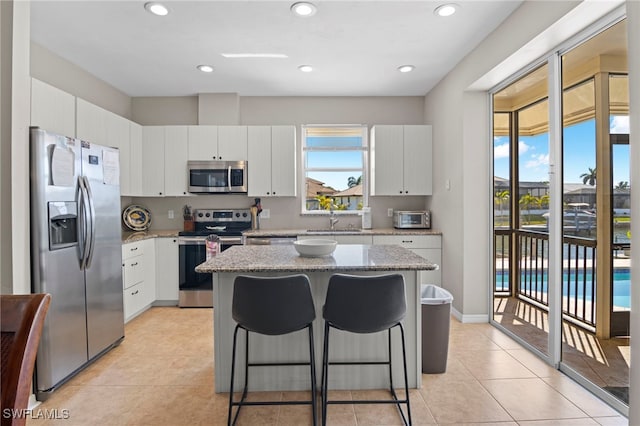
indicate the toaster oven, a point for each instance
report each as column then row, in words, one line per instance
column 415, row 219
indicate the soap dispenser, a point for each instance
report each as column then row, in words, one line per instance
column 366, row 217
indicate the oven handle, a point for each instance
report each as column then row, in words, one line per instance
column 191, row 241
column 230, row 241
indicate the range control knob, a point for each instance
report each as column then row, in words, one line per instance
column 244, row 214
column 208, row 214
column 200, row 214
column 237, row 214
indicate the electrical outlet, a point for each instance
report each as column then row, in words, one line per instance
column 171, row 215
column 265, row 214
column 389, row 212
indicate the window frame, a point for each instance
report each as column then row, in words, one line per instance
column 303, row 169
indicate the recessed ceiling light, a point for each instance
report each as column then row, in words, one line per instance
column 305, row 68
column 205, row 68
column 255, row 55
column 446, row 9
column 156, row 8
column 406, row 68
column 304, row 9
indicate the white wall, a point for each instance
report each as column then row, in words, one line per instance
column 633, row 31
column 58, row 72
column 165, row 111
column 6, row 13
column 16, row 277
column 462, row 140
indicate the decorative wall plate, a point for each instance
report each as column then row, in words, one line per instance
column 136, row 218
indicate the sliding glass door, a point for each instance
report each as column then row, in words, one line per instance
column 570, row 306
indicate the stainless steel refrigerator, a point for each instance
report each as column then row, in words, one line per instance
column 76, row 253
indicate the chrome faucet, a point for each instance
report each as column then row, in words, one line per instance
column 332, row 219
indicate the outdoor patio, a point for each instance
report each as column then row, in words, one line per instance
column 605, row 362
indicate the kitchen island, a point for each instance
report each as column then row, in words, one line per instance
column 281, row 260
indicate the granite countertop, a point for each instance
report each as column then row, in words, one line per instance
column 346, row 257
column 265, row 233
column 129, row 237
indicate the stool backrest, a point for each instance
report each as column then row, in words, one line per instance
column 21, row 321
column 273, row 305
column 365, row 304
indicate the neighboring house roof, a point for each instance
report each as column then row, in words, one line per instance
column 354, row 191
column 315, row 188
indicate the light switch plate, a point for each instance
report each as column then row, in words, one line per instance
column 389, row 212
column 170, row 214
column 265, row 214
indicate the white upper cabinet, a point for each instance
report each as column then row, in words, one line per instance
column 164, row 160
column 153, row 160
column 272, row 161
column 401, row 160
column 135, row 152
column 175, row 160
column 259, row 161
column 52, row 109
column 232, row 143
column 283, row 161
column 203, row 143
column 118, row 137
column 91, row 122
column 226, row 143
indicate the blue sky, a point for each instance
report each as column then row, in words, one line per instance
column 579, row 153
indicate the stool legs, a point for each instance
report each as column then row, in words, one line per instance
column 231, row 420
column 325, row 378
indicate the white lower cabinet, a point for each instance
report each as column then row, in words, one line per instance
column 138, row 276
column 166, row 271
column 427, row 246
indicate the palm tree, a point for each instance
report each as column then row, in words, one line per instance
column 589, row 177
column 352, row 181
column 526, row 201
column 500, row 197
column 622, row 185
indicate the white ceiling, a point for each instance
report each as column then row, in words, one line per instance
column 354, row 46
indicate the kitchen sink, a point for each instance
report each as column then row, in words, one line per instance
column 334, row 231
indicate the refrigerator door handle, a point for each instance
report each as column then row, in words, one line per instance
column 92, row 218
column 84, row 223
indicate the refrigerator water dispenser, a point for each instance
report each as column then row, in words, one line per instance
column 63, row 229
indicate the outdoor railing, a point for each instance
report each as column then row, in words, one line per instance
column 579, row 282
column 532, row 250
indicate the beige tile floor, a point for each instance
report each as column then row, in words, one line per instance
column 162, row 374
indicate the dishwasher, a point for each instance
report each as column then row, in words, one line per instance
column 267, row 241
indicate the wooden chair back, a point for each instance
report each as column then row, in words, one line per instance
column 21, row 321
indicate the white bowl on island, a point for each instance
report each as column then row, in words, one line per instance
column 315, row 247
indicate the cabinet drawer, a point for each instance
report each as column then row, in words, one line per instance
column 133, row 270
column 409, row 241
column 353, row 239
column 132, row 249
column 134, row 300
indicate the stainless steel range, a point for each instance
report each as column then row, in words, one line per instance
column 196, row 290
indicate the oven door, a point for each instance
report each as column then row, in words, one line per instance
column 196, row 289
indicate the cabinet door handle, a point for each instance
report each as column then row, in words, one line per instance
column 135, row 292
column 134, row 264
column 133, row 248
column 407, row 241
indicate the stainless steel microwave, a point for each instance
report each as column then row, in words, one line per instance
column 206, row 177
column 412, row 219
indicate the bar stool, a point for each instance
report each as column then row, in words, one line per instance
column 271, row 306
column 365, row 304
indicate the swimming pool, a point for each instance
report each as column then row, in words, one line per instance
column 621, row 285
